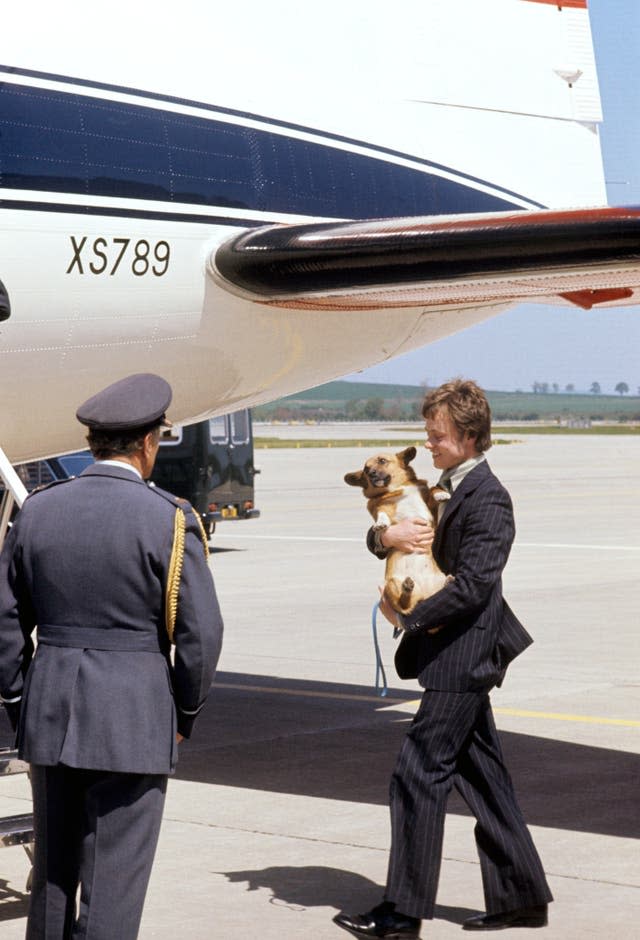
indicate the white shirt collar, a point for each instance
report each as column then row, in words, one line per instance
column 455, row 475
column 121, row 464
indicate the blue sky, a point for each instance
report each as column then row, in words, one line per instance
column 534, row 343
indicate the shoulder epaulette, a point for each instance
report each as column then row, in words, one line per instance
column 185, row 507
column 174, row 500
column 48, row 486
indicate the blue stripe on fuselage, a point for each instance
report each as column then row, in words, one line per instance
column 67, row 142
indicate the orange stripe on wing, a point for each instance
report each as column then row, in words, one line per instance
column 578, row 4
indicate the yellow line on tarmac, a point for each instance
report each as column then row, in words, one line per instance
column 553, row 716
column 413, row 703
column 560, row 716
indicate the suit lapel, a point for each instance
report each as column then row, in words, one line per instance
column 472, row 480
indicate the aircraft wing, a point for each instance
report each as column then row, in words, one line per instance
column 585, row 257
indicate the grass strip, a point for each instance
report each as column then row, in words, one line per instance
column 280, row 442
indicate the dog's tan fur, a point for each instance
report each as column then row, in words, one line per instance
column 394, row 492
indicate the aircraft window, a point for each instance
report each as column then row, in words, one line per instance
column 170, row 436
column 54, row 141
column 218, row 429
column 240, row 427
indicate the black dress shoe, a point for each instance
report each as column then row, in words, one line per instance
column 382, row 921
column 522, row 917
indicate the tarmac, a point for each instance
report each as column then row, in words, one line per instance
column 277, row 817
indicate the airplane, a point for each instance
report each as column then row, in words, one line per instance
column 251, row 200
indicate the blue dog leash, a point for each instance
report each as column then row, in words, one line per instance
column 379, row 665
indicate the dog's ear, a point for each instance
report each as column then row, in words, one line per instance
column 407, row 455
column 356, row 479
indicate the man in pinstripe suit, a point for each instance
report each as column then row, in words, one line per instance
column 458, row 643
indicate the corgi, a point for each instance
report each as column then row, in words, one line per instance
column 394, row 492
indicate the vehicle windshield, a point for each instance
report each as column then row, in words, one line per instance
column 73, row 464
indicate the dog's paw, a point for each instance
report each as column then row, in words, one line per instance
column 440, row 495
column 406, row 593
column 382, row 522
column 449, row 579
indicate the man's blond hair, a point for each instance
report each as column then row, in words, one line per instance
column 467, row 406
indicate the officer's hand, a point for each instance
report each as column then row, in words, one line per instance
column 409, row 535
column 179, row 737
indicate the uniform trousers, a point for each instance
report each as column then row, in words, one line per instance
column 453, row 741
column 97, row 830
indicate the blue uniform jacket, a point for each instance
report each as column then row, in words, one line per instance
column 87, row 563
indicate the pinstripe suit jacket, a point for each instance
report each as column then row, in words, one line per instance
column 86, row 562
column 481, row 634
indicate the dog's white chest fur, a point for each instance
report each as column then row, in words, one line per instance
column 407, row 506
column 409, row 577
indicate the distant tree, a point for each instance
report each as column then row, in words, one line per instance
column 622, row 388
column 555, row 387
column 595, row 388
column 373, row 408
column 393, row 410
column 536, row 387
column 569, row 388
column 544, row 387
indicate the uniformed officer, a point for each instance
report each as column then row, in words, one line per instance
column 113, row 572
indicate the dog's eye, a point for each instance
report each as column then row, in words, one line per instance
column 382, row 461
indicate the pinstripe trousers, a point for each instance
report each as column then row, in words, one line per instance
column 453, row 741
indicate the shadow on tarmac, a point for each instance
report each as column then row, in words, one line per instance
column 315, row 886
column 13, row 904
column 340, row 742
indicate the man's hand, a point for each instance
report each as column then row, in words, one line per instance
column 179, row 737
column 409, row 535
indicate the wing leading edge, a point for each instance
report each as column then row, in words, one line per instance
column 585, row 257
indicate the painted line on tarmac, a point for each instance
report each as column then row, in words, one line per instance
column 555, row 716
column 332, row 538
column 560, row 716
column 414, row 703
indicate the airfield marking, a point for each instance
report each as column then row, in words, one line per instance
column 331, row 538
column 414, row 703
column 560, row 716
